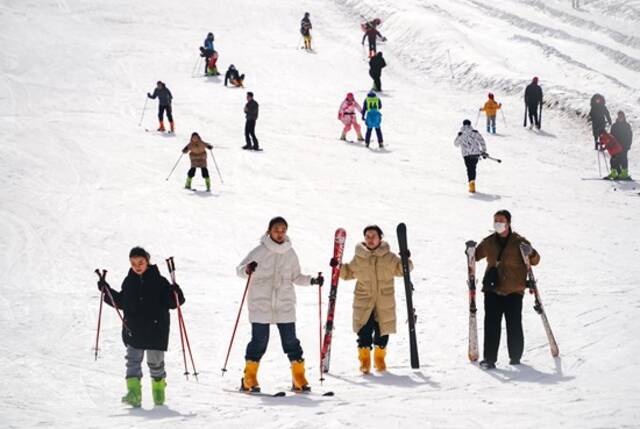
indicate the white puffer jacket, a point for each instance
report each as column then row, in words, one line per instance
column 470, row 141
column 272, row 298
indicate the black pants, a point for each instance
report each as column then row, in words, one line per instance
column 250, row 133
column 367, row 136
column 494, row 307
column 624, row 161
column 370, row 334
column 204, row 171
column 376, row 80
column 534, row 118
column 161, row 110
column 372, row 45
column 471, row 162
column 260, row 339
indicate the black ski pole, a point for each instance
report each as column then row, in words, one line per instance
column 524, row 124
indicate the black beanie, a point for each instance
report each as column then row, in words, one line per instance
column 504, row 213
column 139, row 252
column 466, row 122
column 277, row 220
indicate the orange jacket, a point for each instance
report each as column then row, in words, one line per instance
column 491, row 107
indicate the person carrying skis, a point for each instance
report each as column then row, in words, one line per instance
column 533, row 102
column 621, row 130
column 490, row 109
column 372, row 117
column 197, row 150
column 164, row 105
column 305, row 30
column 251, row 113
column 374, row 267
column 207, row 51
column 274, row 269
column 347, row 115
column 599, row 117
column 473, row 147
column 503, row 284
column 233, row 75
column 145, row 298
column 376, row 64
column 371, row 33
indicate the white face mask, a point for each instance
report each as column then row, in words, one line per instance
column 500, row 227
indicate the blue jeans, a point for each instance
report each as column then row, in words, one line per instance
column 260, row 339
column 491, row 124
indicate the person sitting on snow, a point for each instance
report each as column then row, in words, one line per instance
column 233, row 76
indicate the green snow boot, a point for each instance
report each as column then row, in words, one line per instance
column 134, row 393
column 187, row 185
column 624, row 174
column 613, row 175
column 157, row 389
column 208, row 182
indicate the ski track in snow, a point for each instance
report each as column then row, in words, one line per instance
column 82, row 184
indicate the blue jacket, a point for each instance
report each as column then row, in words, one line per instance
column 208, row 44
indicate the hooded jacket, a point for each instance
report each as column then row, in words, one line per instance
column 197, row 153
column 470, row 141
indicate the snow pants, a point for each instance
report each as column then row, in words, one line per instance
column 350, row 120
column 192, row 172
column 534, row 117
column 370, row 334
column 367, row 137
column 155, row 361
column 495, row 306
column 491, row 124
column 260, row 340
column 162, row 109
column 471, row 162
column 377, row 85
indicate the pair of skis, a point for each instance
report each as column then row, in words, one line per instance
column 525, row 251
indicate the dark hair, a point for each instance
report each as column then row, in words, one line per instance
column 160, row 83
column 466, row 122
column 139, row 252
column 375, row 228
column 276, row 221
column 504, row 213
column 250, row 94
column 195, row 134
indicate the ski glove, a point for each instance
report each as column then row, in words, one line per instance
column 484, row 155
column 251, row 267
column 318, row 280
column 148, row 94
column 333, row 263
column 103, row 286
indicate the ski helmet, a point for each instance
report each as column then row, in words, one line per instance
column 466, row 122
column 371, row 94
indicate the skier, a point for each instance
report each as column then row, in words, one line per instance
column 473, row 147
column 490, row 109
column 376, row 64
column 233, row 75
column 347, row 114
column 207, row 50
column 164, row 104
column 305, row 30
column 599, row 117
column 371, row 33
column 503, row 285
column 533, row 101
column 609, row 143
column 621, row 130
column 372, row 117
column 274, row 269
column 197, row 150
column 212, row 67
column 374, row 307
column 146, row 298
column 251, row 113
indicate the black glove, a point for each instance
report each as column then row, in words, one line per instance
column 334, row 262
column 148, row 94
column 484, row 155
column 251, row 267
column 318, row 280
column 407, row 253
column 103, row 286
column 175, row 287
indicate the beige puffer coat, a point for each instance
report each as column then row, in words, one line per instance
column 197, row 153
column 374, row 271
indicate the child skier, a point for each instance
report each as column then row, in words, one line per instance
column 164, row 104
column 609, row 143
column 274, row 269
column 347, row 115
column 374, row 267
column 233, row 76
column 621, row 130
column 372, row 117
column 472, row 145
column 371, row 33
column 305, row 30
column 490, row 109
column 197, row 150
column 145, row 298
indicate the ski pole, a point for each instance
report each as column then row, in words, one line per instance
column 143, row 110
column 216, row 164
column 493, row 159
column 320, row 327
column 174, row 167
column 195, row 66
column 233, row 335
column 450, row 66
column 599, row 166
column 99, row 320
column 524, row 124
column 503, row 118
column 113, row 302
column 540, row 116
column 477, row 119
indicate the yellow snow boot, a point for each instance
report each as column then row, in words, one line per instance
column 472, row 186
column 364, row 355
column 378, row 359
column 250, row 379
column 300, row 383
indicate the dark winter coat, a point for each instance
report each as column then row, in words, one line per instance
column 371, row 34
column 251, row 110
column 305, row 26
column 146, row 301
column 533, row 94
column 622, row 132
column 512, row 272
column 231, row 75
column 376, row 64
column 164, row 96
column 600, row 117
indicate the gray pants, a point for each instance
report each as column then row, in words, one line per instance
column 155, row 360
column 491, row 124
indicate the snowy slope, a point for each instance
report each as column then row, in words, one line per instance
column 82, row 184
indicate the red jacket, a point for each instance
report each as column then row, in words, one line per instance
column 610, row 143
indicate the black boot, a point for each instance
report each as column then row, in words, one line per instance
column 485, row 364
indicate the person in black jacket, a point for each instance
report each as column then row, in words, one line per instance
column 599, row 117
column 251, row 113
column 621, row 130
column 233, row 76
column 533, row 102
column 145, row 298
column 305, row 30
column 164, row 104
column 376, row 64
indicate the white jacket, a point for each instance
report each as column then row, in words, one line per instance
column 470, row 141
column 272, row 298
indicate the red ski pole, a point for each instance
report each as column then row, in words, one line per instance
column 233, row 335
column 99, row 320
column 113, row 302
column 320, row 327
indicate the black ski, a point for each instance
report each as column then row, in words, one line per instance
column 263, row 394
column 401, row 230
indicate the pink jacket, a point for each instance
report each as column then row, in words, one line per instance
column 347, row 111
